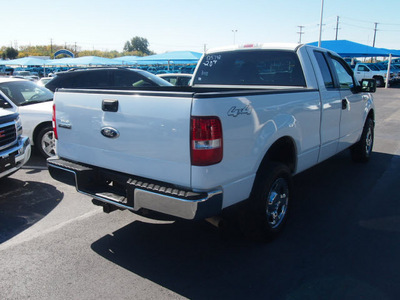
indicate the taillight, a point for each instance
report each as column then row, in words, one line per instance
column 53, row 119
column 206, row 142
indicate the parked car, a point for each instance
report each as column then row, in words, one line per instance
column 370, row 71
column 34, row 105
column 394, row 71
column 42, row 81
column 177, row 78
column 104, row 78
column 25, row 75
column 15, row 149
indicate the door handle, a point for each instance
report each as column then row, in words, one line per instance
column 109, row 105
column 344, row 103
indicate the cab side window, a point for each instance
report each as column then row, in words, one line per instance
column 362, row 68
column 325, row 71
column 344, row 74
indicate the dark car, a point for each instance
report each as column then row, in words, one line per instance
column 104, row 78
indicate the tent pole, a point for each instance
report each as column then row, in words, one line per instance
column 320, row 23
column 388, row 71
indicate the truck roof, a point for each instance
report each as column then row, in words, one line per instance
column 272, row 46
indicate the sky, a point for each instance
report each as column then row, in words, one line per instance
column 187, row 25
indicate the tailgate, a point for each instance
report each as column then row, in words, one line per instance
column 143, row 134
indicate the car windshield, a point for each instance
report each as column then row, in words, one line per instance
column 374, row 67
column 25, row 92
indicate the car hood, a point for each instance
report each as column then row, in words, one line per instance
column 6, row 112
column 43, row 107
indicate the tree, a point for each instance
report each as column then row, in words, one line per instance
column 138, row 44
column 10, row 53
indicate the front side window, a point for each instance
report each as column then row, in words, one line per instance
column 344, row 75
column 251, row 67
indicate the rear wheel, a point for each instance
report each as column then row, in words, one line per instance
column 361, row 151
column 270, row 200
column 379, row 81
column 45, row 142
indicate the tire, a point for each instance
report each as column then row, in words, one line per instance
column 361, row 151
column 45, row 142
column 269, row 202
column 379, row 81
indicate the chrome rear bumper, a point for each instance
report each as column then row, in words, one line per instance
column 134, row 193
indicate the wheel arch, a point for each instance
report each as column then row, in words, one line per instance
column 38, row 128
column 371, row 115
column 282, row 150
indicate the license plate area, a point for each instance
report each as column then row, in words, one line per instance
column 7, row 162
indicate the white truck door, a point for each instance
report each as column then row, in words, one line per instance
column 352, row 112
column 361, row 72
column 331, row 106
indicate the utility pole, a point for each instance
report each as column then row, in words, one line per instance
column 337, row 27
column 300, row 33
column 234, row 36
column 51, row 47
column 375, row 30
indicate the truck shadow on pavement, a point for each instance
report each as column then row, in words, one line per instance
column 23, row 203
column 340, row 235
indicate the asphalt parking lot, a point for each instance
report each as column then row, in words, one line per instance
column 342, row 240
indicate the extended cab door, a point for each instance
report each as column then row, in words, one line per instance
column 331, row 105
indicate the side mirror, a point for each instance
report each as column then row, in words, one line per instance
column 368, row 85
column 4, row 103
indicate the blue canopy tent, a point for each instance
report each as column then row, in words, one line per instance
column 176, row 57
column 84, row 61
column 59, row 62
column 127, row 60
column 25, row 61
column 351, row 49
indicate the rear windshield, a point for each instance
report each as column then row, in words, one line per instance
column 251, row 67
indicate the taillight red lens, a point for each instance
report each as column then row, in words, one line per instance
column 206, row 143
column 53, row 119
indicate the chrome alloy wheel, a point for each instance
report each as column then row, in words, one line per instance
column 48, row 144
column 369, row 139
column 277, row 203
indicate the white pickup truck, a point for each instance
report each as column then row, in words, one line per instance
column 368, row 71
column 253, row 117
column 15, row 149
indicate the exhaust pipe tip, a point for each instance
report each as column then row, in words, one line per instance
column 107, row 208
column 216, row 221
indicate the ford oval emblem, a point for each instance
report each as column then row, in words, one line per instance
column 110, row 132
